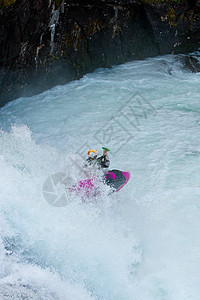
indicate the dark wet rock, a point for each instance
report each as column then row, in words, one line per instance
column 44, row 43
column 191, row 64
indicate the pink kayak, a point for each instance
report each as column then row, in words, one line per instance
column 89, row 187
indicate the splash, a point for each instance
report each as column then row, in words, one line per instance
column 72, row 245
column 142, row 242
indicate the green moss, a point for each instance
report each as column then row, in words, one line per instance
column 74, row 39
column 67, row 40
column 58, row 2
column 94, row 26
column 6, row 3
column 171, row 16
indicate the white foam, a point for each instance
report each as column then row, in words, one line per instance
column 141, row 243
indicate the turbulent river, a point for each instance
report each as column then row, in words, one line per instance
column 142, row 243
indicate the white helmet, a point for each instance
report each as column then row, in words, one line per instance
column 92, row 153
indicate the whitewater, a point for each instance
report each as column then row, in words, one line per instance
column 141, row 243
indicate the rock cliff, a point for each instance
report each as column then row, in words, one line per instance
column 44, row 42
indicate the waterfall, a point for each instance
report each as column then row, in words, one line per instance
column 52, row 24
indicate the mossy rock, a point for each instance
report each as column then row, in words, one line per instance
column 6, row 3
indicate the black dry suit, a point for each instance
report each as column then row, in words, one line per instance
column 103, row 161
column 90, row 161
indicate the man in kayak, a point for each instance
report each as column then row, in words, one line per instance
column 102, row 161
